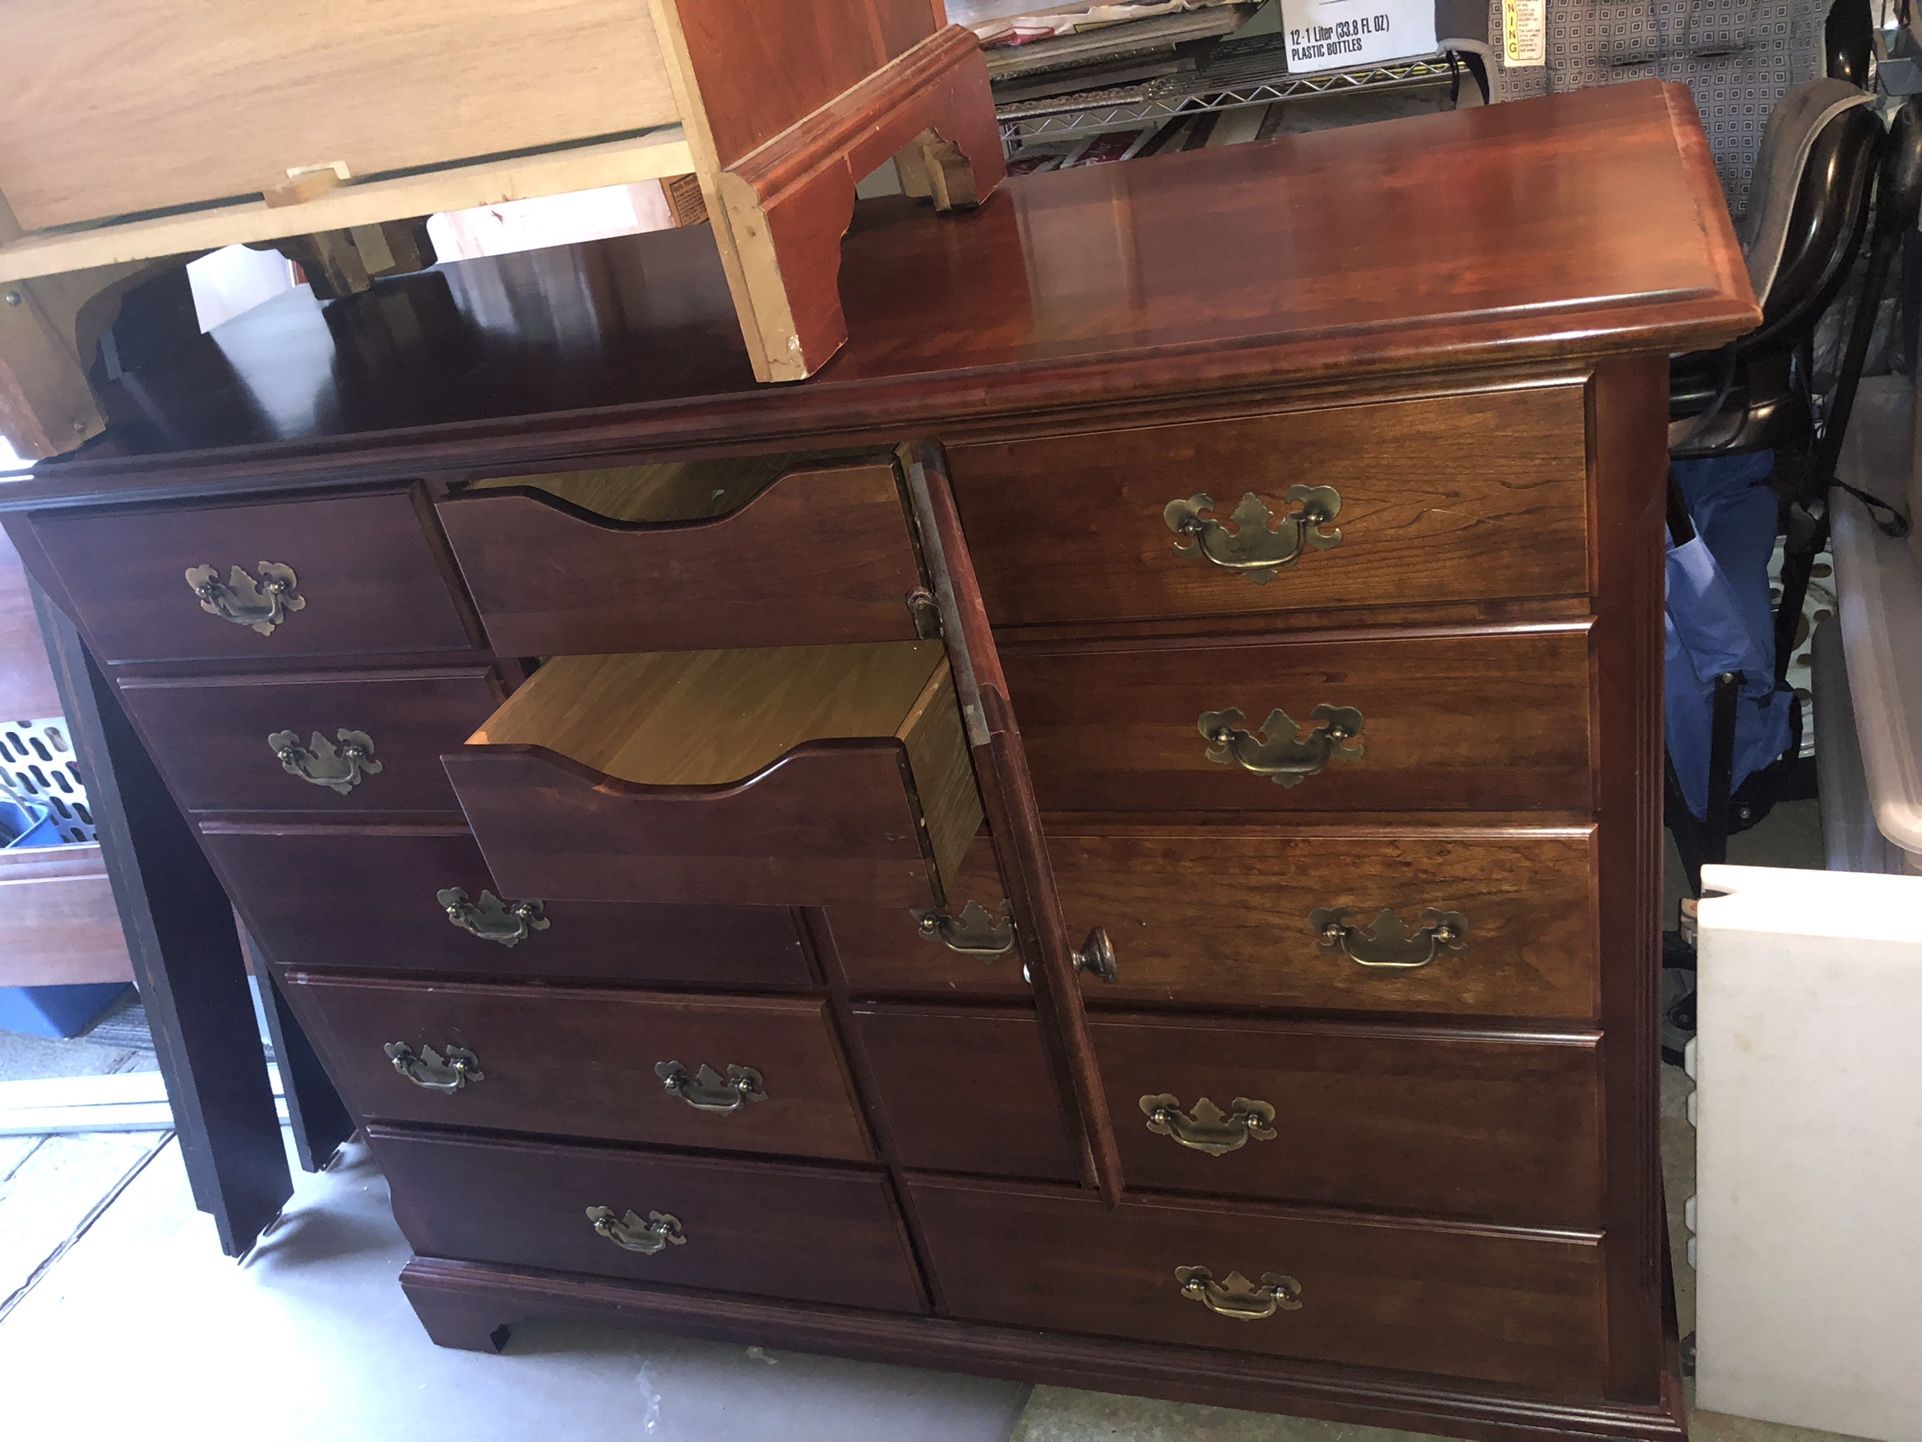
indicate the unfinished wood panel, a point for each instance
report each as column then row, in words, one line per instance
column 109, row 107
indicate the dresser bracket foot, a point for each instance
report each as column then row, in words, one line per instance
column 460, row 1317
column 785, row 205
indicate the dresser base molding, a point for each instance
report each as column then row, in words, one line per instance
column 472, row 1306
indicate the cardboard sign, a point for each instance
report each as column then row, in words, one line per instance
column 1524, row 33
column 1344, row 34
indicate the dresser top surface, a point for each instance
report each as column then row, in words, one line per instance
column 1567, row 227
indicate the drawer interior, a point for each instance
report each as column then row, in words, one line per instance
column 655, row 494
column 860, row 745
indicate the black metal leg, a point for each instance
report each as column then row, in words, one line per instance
column 186, row 956
column 320, row 1120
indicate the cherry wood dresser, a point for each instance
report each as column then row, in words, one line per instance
column 1111, row 837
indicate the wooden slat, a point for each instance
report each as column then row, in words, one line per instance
column 647, row 156
column 58, row 922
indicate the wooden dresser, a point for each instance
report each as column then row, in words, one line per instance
column 1111, row 837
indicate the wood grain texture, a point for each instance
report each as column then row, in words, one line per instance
column 363, row 900
column 778, row 1231
column 371, row 582
column 62, row 928
column 1459, row 497
column 1079, row 290
column 467, row 1305
column 210, row 736
column 1459, row 721
column 116, row 106
column 1522, row 1308
column 967, row 1091
column 581, row 1063
column 1486, row 1127
column 708, row 717
column 1219, row 916
column 817, row 556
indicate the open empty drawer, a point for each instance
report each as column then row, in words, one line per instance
column 748, row 551
column 807, row 776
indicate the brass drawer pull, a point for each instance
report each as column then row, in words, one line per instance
column 447, row 1070
column 490, row 918
column 660, row 1231
column 1237, row 1298
column 1286, row 757
column 259, row 607
column 975, row 932
column 1256, row 547
column 1389, row 943
column 1205, row 1127
column 706, row 1091
column 321, row 763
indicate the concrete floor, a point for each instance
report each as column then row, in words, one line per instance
column 310, row 1340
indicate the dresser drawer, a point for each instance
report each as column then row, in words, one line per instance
column 731, row 1074
column 1501, row 1128
column 805, row 776
column 697, row 556
column 763, row 1228
column 332, row 897
column 1484, row 1304
column 326, row 743
column 1482, row 921
column 1450, row 498
column 967, row 1091
column 1434, row 722
column 362, row 579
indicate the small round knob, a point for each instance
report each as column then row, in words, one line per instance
column 289, row 754
column 1446, row 933
column 1221, row 735
column 353, row 751
column 276, row 585
column 1331, row 933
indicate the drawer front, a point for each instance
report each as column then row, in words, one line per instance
column 288, row 745
column 1502, row 1129
column 1485, row 1305
column 1238, row 916
column 820, row 556
column 832, row 823
column 321, row 898
column 762, row 1228
column 1456, row 498
column 967, row 1091
column 1446, row 722
column 365, row 581
column 613, row 1065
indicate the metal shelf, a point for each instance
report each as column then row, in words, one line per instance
column 1239, row 74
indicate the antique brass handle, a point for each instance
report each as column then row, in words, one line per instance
column 490, row 918
column 660, row 1231
column 1286, row 757
column 1205, row 1127
column 1237, row 1298
column 1389, row 943
column 447, row 1070
column 321, row 763
column 707, row 1091
column 1253, row 547
column 259, row 606
column 975, row 932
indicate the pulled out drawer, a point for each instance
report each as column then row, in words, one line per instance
column 804, row 776
column 694, row 556
column 419, row 898
column 1488, row 1127
column 728, row 1074
column 801, row 1233
column 1484, row 1304
column 328, row 743
column 341, row 576
column 1444, row 721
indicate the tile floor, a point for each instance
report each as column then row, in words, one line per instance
column 309, row 1339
